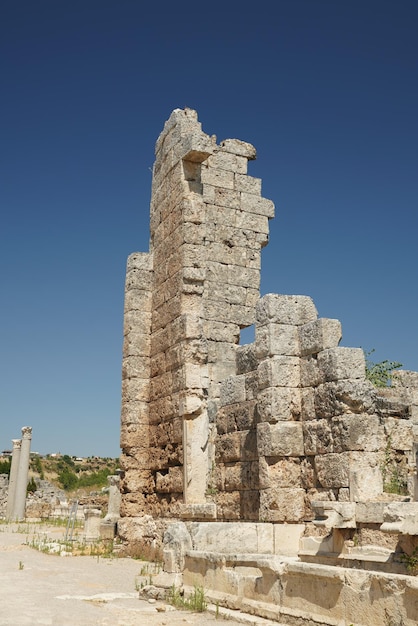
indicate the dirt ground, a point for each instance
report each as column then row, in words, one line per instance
column 47, row 589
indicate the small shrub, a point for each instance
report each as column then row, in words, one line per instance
column 380, row 374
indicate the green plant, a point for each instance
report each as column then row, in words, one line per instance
column 394, row 480
column 380, row 374
column 196, row 602
column 21, row 565
column 410, row 561
column 32, row 487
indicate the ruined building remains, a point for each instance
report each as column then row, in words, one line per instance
column 282, row 441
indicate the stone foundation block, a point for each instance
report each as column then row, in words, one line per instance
column 342, row 363
column 280, row 339
column 333, row 470
column 366, row 481
column 276, row 404
column 233, row 390
column 319, row 335
column 279, row 371
column 282, row 505
column 357, row 432
column 317, row 437
column 281, row 439
column 310, row 373
column 281, row 309
column 282, row 472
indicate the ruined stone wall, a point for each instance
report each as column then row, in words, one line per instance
column 213, row 430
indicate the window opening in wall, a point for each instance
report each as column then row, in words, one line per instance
column 247, row 335
column 192, row 176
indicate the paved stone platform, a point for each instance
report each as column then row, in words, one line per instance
column 50, row 590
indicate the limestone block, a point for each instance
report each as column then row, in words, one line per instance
column 135, row 389
column 335, row 514
column 246, row 358
column 277, row 404
column 252, row 222
column 282, row 505
column 307, row 404
column 310, row 373
column 333, row 470
column 276, row 339
column 139, row 261
column 251, row 385
column 279, row 371
column 248, row 184
column 194, row 209
column 170, row 481
column 226, row 198
column 319, row 335
column 138, row 279
column 241, row 148
column 228, row 161
column 138, row 299
column 233, row 417
column 281, row 309
column 136, row 412
column 228, row 447
column 344, row 396
column 233, row 390
column 137, row 321
column 400, row 517
column 405, row 378
column 232, row 538
column 257, row 204
column 241, row 476
column 357, row 432
column 287, row 538
column 196, row 147
column 248, row 444
column 370, row 512
column 282, row 472
column 176, row 543
column 366, row 482
column 248, row 277
column 217, row 177
column 228, row 505
column 190, row 404
column 241, row 315
column 281, row 439
column 342, row 363
column 317, row 437
column 140, row 367
column 136, row 344
column 203, row 511
column 400, row 432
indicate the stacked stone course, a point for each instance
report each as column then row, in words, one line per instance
column 214, row 430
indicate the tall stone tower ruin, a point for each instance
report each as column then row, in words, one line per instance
column 186, row 301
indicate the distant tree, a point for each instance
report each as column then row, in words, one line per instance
column 67, row 479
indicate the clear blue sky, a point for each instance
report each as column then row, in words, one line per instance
column 326, row 90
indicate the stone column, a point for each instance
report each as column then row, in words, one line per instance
column 13, row 477
column 91, row 524
column 19, row 504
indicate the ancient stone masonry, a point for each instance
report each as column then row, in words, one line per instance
column 186, row 301
column 211, row 429
column 285, row 434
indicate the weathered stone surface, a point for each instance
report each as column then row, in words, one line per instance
column 317, row 437
column 276, row 404
column 357, row 432
column 342, row 363
column 280, row 309
column 333, row 469
column 282, row 504
column 280, row 439
column 319, row 335
column 280, row 339
column 279, row 371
